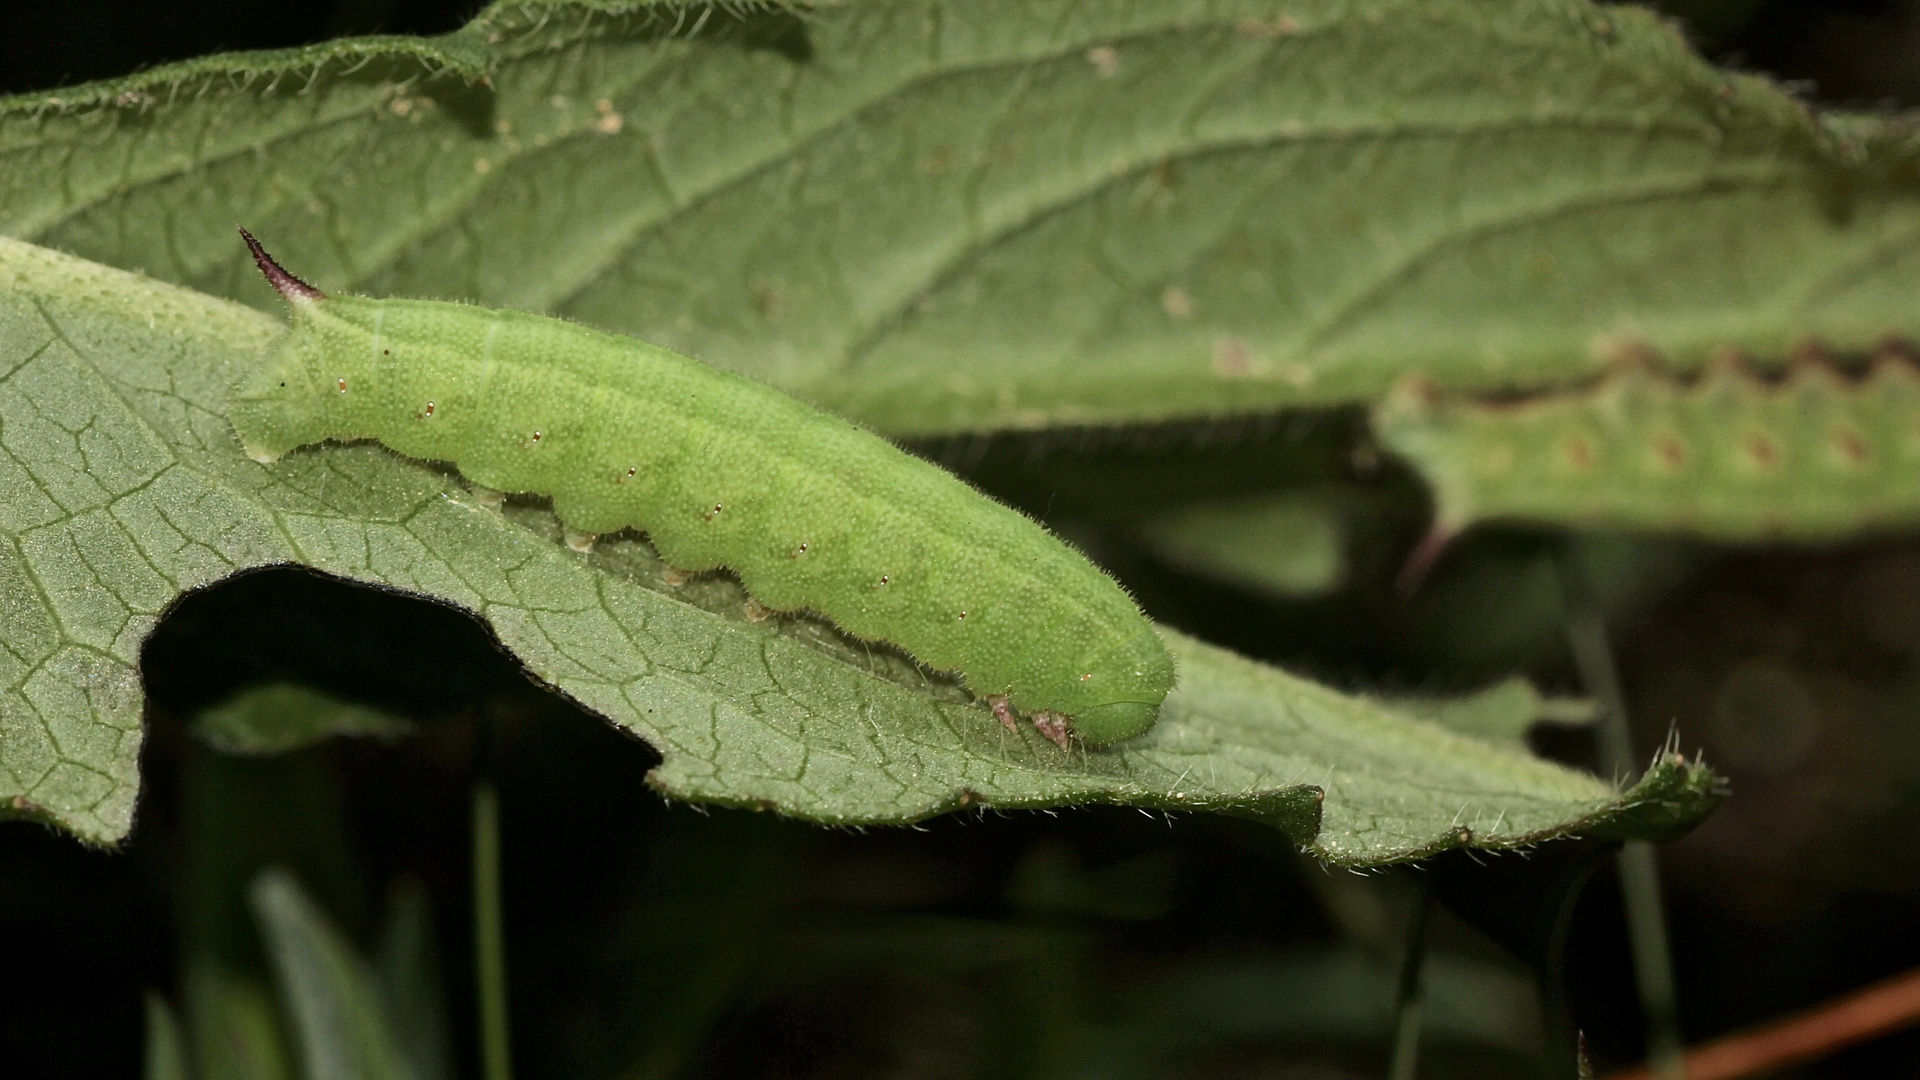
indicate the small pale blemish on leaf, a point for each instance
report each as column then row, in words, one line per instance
column 1176, row 302
column 1105, row 60
column 610, row 122
column 1625, row 352
column 1283, row 26
column 482, row 165
column 1232, row 358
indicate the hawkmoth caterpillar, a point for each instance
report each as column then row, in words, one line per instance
column 1815, row 456
column 810, row 511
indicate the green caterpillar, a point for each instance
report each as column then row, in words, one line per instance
column 1815, row 457
column 810, row 511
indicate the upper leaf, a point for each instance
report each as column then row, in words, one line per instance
column 122, row 486
column 934, row 215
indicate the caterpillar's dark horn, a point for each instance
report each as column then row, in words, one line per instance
column 292, row 288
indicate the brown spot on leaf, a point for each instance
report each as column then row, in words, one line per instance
column 1578, row 451
column 1811, row 352
column 1851, row 446
column 1894, row 348
column 1670, row 451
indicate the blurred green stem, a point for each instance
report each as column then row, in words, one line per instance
column 489, row 948
column 1550, row 959
column 1406, row 1021
column 1639, row 869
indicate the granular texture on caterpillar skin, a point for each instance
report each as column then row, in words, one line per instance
column 809, row 510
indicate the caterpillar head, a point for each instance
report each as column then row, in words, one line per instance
column 1124, row 685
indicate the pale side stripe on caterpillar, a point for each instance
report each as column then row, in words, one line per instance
column 810, row 511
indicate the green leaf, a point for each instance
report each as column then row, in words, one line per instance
column 1347, row 995
column 1287, row 545
column 410, row 987
column 166, row 1049
column 1501, row 713
column 278, row 717
column 936, row 215
column 329, row 993
column 122, row 487
column 235, row 1025
column 1817, row 457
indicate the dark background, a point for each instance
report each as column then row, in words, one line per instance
column 992, row 945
